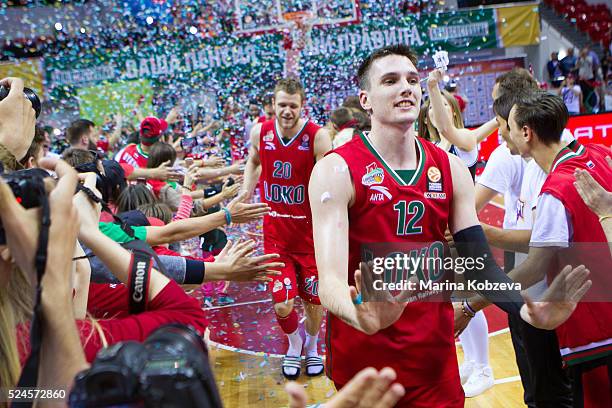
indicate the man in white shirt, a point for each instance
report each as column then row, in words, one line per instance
column 545, row 383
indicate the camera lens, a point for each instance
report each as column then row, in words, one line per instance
column 30, row 94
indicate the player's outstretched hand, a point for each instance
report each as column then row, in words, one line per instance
column 594, row 195
column 242, row 212
column 378, row 313
column 559, row 300
column 368, row 388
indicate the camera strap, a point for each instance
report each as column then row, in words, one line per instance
column 138, row 281
column 29, row 374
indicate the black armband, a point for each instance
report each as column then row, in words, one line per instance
column 194, row 272
column 488, row 278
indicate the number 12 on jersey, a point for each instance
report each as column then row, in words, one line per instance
column 408, row 215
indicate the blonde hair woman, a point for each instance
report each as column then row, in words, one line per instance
column 440, row 121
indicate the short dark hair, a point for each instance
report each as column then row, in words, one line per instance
column 545, row 113
column 363, row 120
column 77, row 129
column 397, row 49
column 506, row 100
column 341, row 116
column 291, row 86
column 75, row 157
column 514, row 80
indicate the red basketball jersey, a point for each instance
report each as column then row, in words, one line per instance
column 420, row 346
column 285, row 172
column 133, row 155
column 587, row 334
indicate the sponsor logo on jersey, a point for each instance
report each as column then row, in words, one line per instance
column 434, row 179
column 278, row 285
column 379, row 194
column 305, row 144
column 268, row 137
column 374, row 175
column 433, row 174
column 287, row 283
column 270, row 146
column 590, row 165
column 435, row 196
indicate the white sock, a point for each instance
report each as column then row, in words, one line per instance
column 294, row 350
column 295, row 343
column 475, row 340
column 311, row 345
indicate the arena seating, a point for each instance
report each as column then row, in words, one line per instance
column 594, row 20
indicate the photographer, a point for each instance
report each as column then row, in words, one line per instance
column 17, row 120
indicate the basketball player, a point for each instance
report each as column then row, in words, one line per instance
column 282, row 154
column 564, row 221
column 389, row 186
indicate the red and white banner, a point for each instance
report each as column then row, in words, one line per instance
column 585, row 128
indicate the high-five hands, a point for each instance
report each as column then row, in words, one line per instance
column 377, row 314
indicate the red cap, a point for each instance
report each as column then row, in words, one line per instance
column 151, row 128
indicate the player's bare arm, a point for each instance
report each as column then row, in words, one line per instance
column 252, row 169
column 322, row 144
column 331, row 193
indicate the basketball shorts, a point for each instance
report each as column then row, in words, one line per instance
column 299, row 277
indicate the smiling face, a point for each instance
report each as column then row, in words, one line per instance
column 288, row 108
column 517, row 135
column 504, row 132
column 394, row 92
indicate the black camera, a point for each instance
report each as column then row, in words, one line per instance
column 28, row 187
column 170, row 369
column 30, row 94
